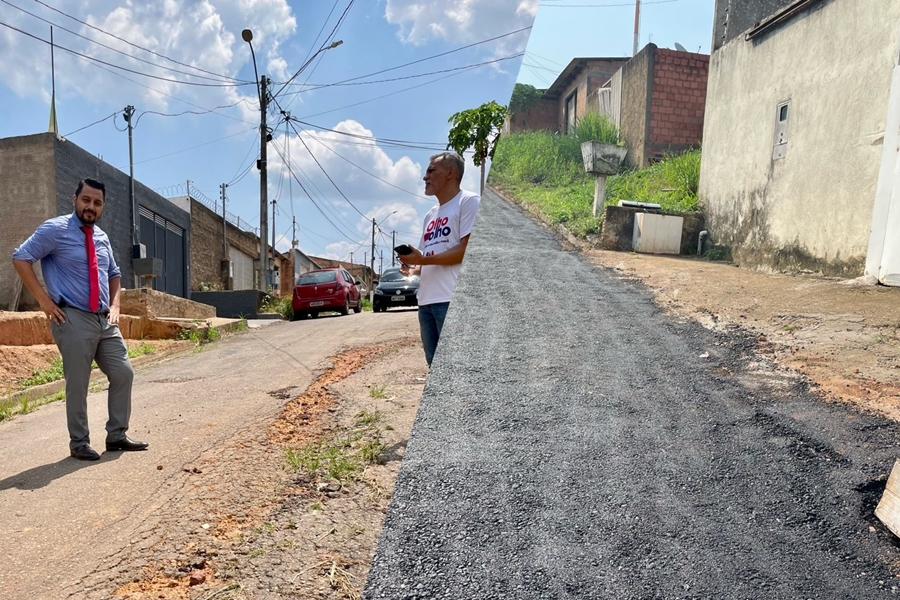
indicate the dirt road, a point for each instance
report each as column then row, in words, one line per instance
column 154, row 524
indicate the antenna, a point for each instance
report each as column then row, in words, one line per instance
column 680, row 48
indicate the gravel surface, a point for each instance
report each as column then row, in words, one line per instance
column 573, row 441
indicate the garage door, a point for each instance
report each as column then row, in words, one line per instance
column 165, row 240
column 243, row 269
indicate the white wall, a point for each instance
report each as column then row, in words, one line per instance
column 813, row 208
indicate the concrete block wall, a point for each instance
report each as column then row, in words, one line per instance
column 72, row 164
column 634, row 114
column 28, row 179
column 677, row 103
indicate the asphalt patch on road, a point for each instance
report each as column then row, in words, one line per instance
column 575, row 441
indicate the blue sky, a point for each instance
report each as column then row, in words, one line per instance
column 373, row 177
column 606, row 28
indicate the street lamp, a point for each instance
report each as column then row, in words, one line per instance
column 263, row 282
column 264, row 137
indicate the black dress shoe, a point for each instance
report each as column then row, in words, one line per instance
column 126, row 444
column 85, row 453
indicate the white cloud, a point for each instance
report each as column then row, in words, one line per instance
column 193, row 32
column 464, row 21
column 378, row 186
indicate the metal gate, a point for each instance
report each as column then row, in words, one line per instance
column 242, row 266
column 165, row 240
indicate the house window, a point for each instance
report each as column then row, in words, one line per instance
column 782, row 117
column 571, row 107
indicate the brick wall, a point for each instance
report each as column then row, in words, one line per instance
column 28, row 179
column 538, row 118
column 678, row 101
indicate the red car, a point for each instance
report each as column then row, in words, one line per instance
column 325, row 290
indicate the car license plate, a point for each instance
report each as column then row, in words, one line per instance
column 398, row 298
column 319, row 303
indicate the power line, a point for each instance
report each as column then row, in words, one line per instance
column 427, row 58
column 380, row 97
column 137, row 46
column 545, row 4
column 143, row 60
column 193, row 147
column 243, row 172
column 481, row 64
column 187, row 112
column 114, row 66
column 330, row 36
column 92, row 124
column 365, row 171
column 302, row 187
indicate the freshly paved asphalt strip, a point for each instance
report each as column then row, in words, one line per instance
column 574, row 442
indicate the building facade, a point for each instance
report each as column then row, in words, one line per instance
column 42, row 171
column 796, row 143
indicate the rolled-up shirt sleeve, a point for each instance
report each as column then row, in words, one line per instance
column 41, row 243
column 114, row 271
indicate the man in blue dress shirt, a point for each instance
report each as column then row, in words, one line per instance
column 82, row 304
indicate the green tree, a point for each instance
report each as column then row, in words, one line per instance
column 477, row 128
column 524, row 97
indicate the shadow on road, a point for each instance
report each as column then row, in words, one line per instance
column 38, row 477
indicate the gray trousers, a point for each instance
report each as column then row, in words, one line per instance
column 83, row 338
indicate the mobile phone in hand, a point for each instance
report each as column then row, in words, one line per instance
column 403, row 250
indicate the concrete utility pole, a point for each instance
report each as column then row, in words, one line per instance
column 637, row 26
column 393, row 245
column 263, row 187
column 129, row 112
column 371, row 291
column 273, row 240
column 294, row 249
column 224, row 223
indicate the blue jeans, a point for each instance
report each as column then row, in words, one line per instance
column 431, row 321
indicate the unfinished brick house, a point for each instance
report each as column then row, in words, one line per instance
column 657, row 99
column 566, row 100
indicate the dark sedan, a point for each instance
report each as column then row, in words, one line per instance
column 395, row 289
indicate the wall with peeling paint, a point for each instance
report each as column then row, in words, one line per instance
column 811, row 209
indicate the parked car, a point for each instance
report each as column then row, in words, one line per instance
column 395, row 289
column 332, row 289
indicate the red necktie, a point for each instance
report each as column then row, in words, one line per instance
column 93, row 269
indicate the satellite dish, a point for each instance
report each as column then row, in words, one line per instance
column 680, row 48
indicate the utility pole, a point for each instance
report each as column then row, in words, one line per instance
column 224, row 223
column 371, row 291
column 294, row 249
column 637, row 25
column 277, row 287
column 263, row 187
column 129, row 112
column 393, row 245
column 227, row 269
column 135, row 236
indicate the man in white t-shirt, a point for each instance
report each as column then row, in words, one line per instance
column 445, row 235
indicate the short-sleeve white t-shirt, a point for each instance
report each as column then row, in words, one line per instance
column 445, row 225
